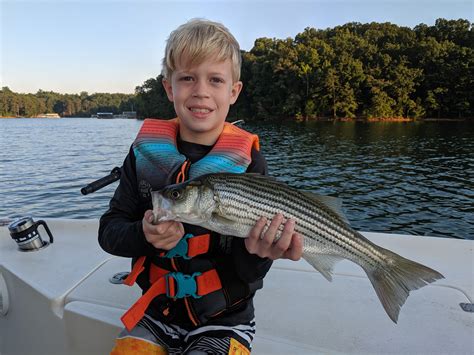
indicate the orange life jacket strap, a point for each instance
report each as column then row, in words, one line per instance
column 183, row 172
column 137, row 311
column 189, row 246
column 136, row 270
column 174, row 285
column 156, row 273
column 198, row 245
column 208, row 282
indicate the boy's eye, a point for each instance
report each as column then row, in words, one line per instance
column 186, row 78
column 217, row 80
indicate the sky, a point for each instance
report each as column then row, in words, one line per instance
column 70, row 46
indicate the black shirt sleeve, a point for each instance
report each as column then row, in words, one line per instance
column 251, row 267
column 120, row 228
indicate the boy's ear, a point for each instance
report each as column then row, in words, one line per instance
column 168, row 89
column 236, row 89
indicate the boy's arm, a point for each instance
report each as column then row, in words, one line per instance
column 120, row 228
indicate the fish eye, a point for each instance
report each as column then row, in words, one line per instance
column 175, row 194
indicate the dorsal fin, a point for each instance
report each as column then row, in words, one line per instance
column 333, row 203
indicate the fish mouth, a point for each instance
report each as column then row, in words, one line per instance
column 163, row 211
column 161, row 208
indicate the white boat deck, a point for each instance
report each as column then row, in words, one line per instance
column 61, row 300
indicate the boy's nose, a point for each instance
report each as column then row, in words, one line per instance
column 200, row 89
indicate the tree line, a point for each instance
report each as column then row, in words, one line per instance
column 66, row 105
column 374, row 70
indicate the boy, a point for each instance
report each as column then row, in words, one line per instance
column 198, row 286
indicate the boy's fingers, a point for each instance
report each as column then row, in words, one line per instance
column 149, row 216
column 146, row 221
column 296, row 248
column 282, row 245
column 171, row 231
column 175, row 231
column 169, row 239
column 254, row 236
column 272, row 229
column 167, row 245
column 164, row 227
column 180, row 228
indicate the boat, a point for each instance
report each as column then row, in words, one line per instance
column 105, row 115
column 64, row 299
column 110, row 115
column 127, row 115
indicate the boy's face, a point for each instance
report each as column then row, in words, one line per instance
column 202, row 95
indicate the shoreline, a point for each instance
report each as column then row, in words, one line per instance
column 318, row 119
column 379, row 119
column 41, row 117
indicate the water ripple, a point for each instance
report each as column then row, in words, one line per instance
column 413, row 178
column 409, row 178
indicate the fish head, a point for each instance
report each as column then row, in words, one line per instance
column 189, row 202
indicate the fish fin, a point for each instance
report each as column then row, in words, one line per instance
column 324, row 263
column 222, row 225
column 396, row 279
column 333, row 203
column 218, row 218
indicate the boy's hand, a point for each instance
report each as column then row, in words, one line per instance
column 164, row 235
column 289, row 246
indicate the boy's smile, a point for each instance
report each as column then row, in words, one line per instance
column 202, row 95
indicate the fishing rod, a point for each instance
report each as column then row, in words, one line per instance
column 102, row 182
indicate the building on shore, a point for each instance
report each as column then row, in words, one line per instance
column 47, row 115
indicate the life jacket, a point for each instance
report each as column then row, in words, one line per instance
column 198, row 269
column 158, row 159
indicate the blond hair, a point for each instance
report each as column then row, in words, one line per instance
column 198, row 40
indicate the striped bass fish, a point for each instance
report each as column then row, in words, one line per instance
column 231, row 204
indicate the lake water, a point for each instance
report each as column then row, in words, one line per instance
column 409, row 178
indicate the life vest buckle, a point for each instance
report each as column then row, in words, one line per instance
column 184, row 285
column 180, row 249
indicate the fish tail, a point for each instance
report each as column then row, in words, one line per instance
column 394, row 280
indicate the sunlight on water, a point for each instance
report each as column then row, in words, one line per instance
column 409, row 178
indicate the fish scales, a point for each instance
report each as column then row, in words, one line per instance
column 298, row 213
column 284, row 200
column 232, row 203
column 278, row 200
column 255, row 198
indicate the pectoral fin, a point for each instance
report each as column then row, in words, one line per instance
column 217, row 218
column 323, row 263
column 222, row 225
